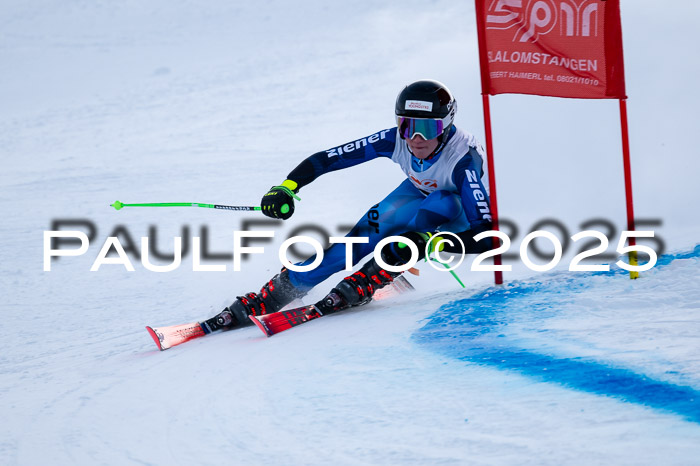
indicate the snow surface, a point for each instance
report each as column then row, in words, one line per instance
column 215, row 101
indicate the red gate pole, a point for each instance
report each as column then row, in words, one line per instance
column 498, row 275
column 628, row 181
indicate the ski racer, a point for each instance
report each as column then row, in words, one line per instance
column 443, row 192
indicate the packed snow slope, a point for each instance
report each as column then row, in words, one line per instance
column 216, row 101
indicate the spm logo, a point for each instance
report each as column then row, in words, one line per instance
column 534, row 18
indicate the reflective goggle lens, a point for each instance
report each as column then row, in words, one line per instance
column 428, row 128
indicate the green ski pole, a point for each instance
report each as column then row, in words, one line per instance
column 452, row 272
column 119, row 205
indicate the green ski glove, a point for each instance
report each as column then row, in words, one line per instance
column 279, row 200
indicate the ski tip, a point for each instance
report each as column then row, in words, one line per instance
column 260, row 325
column 154, row 335
column 406, row 283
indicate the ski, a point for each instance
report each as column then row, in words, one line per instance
column 167, row 337
column 269, row 324
column 399, row 286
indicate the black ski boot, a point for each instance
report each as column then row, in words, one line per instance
column 358, row 288
column 229, row 318
column 273, row 296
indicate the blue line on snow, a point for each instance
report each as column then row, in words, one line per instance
column 471, row 330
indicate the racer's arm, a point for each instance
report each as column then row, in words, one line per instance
column 380, row 144
column 475, row 199
column 279, row 200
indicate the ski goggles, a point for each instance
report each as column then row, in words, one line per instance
column 428, row 128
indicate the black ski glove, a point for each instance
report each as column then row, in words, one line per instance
column 279, row 200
